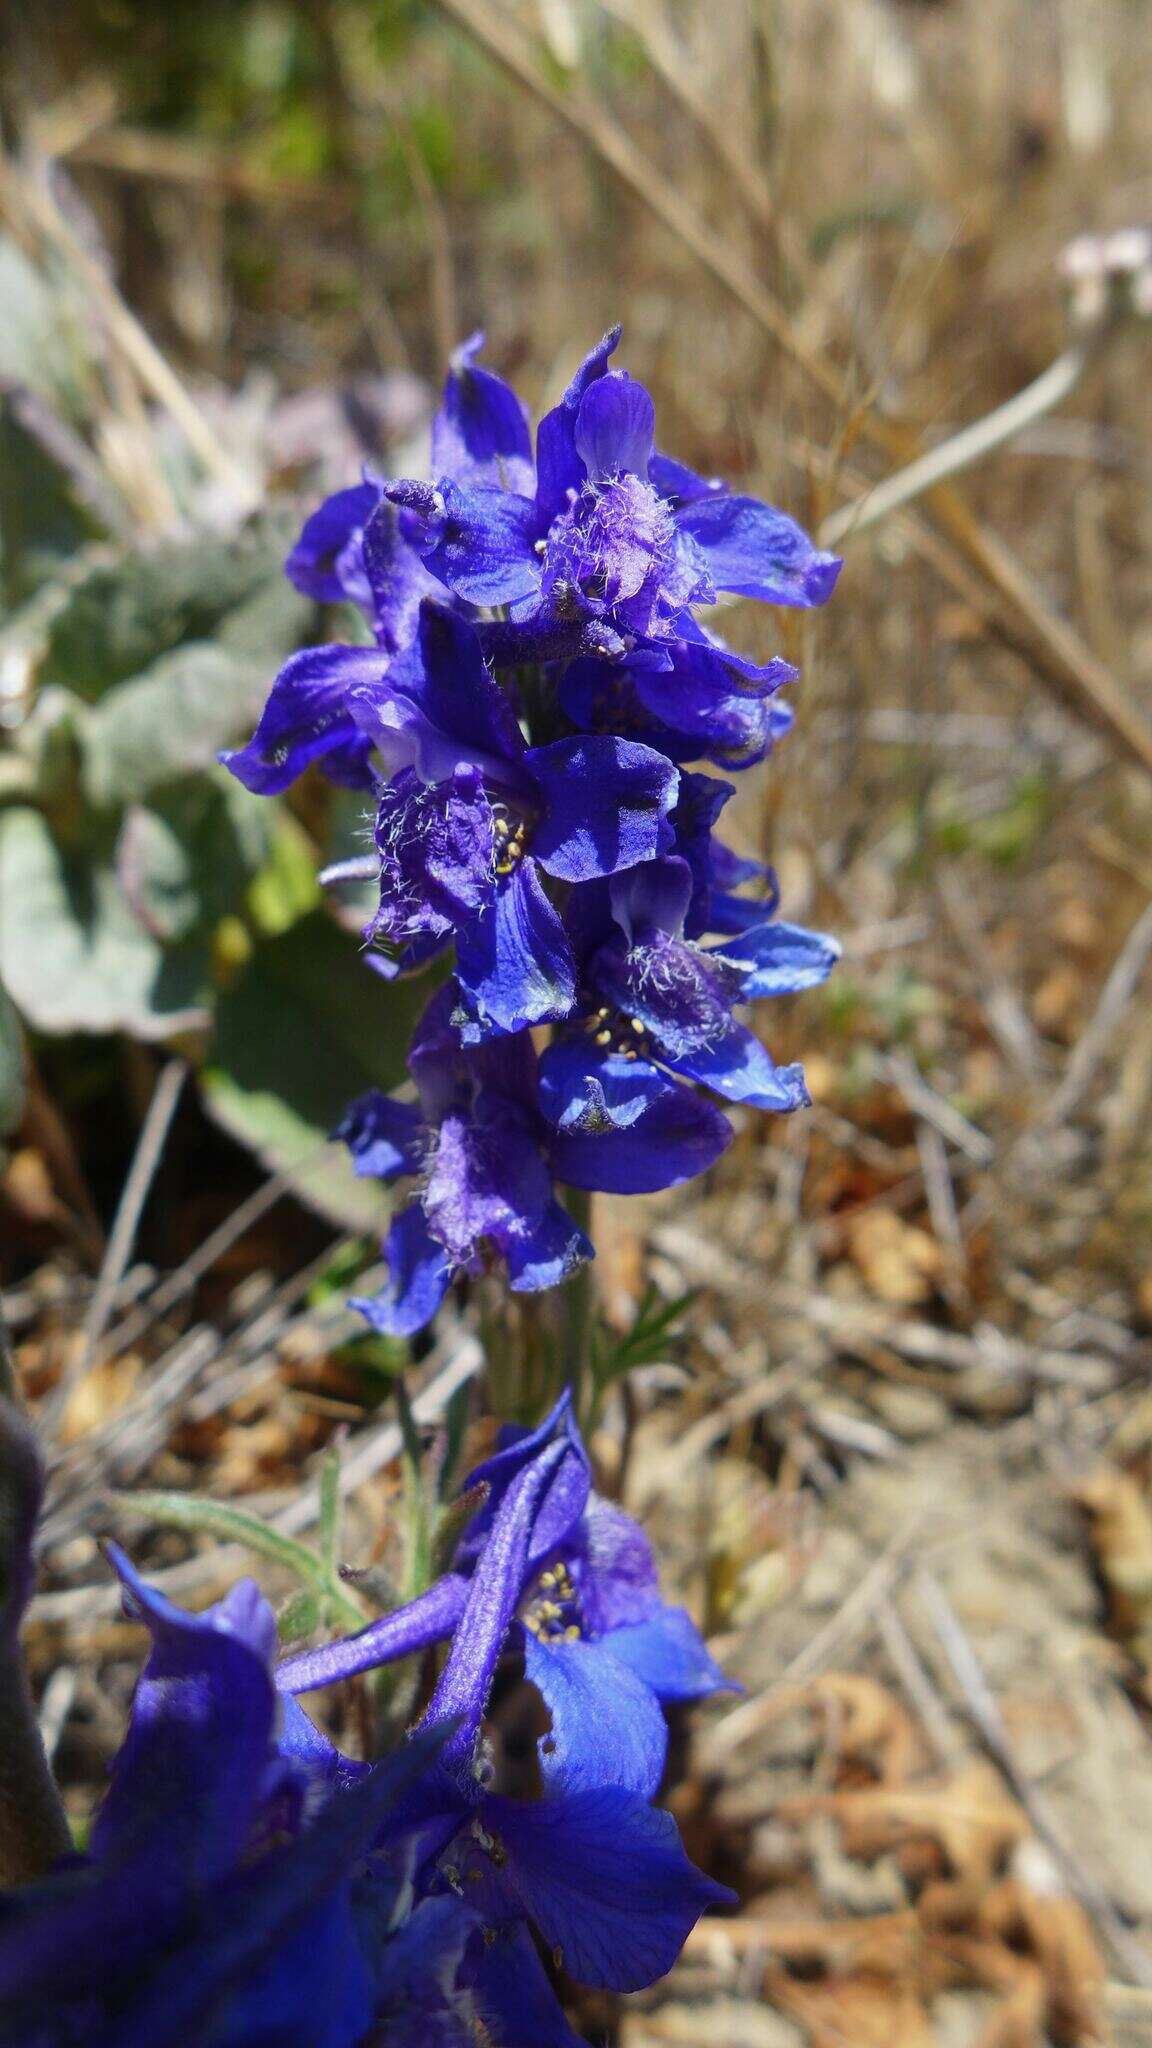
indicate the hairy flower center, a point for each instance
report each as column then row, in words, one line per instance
column 553, row 1613
column 609, row 541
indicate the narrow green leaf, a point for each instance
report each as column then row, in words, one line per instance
column 233, row 1525
column 329, row 1527
column 451, row 1524
column 299, row 1617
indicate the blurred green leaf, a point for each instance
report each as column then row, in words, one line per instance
column 39, row 344
column 305, row 1027
column 73, row 956
column 125, row 611
column 330, row 1516
column 646, row 1343
column 170, row 721
column 285, row 888
column 299, row 1617
column 185, row 861
column 41, row 522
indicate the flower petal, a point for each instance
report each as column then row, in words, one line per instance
column 435, row 845
column 494, row 1593
column 560, row 1510
column 513, row 959
column 754, row 550
column 559, row 468
column 190, row 1768
column 397, row 579
column 741, row 1069
column 619, row 1582
column 604, row 805
column 548, row 1253
column 436, row 706
column 516, row 2005
column 308, row 717
column 302, row 1742
column 615, row 427
column 668, row 1652
column 481, row 542
column 607, row 1727
column 576, row 1861
column 780, row 959
column 488, row 1179
column 669, row 1135
column 654, row 896
column 382, row 1135
column 424, row 1971
column 274, row 1955
column 423, row 1621
column 419, row 1271
column 679, row 484
column 480, row 434
column 325, row 562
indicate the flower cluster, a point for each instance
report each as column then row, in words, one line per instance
column 245, row 1882
column 537, row 685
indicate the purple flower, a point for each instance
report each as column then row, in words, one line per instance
column 354, row 548
column 658, row 993
column 474, row 818
column 215, row 1904
column 494, row 1129
column 604, row 1651
column 562, row 1863
column 605, row 544
column 691, row 697
column 547, row 1570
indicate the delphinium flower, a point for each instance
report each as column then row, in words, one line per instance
column 215, row 1903
column 603, row 544
column 590, row 556
column 590, row 1867
column 473, row 819
column 495, row 1128
column 604, row 1651
column 527, row 736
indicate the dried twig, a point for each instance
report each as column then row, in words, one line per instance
column 145, row 1161
column 1094, row 1043
column 368, row 1454
column 961, row 450
column 986, row 1718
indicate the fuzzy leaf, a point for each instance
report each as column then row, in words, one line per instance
column 170, row 721
column 199, row 1516
column 72, row 955
column 122, row 613
column 305, row 1028
column 185, row 860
